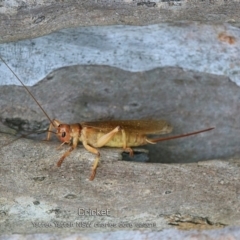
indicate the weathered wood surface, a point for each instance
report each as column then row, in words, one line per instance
column 192, row 46
column 28, row 20
column 34, row 190
column 227, row 233
column 189, row 101
column 186, row 196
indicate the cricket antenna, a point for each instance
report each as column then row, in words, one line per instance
column 27, row 90
column 24, row 136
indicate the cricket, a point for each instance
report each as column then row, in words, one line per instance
column 123, row 134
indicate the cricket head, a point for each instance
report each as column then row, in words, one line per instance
column 67, row 132
column 63, row 133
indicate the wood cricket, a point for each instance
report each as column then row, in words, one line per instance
column 93, row 135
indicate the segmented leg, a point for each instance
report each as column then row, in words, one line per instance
column 60, row 161
column 107, row 137
column 49, row 131
column 124, row 140
column 94, row 168
column 51, row 127
column 131, row 153
column 100, row 143
column 61, row 145
column 74, row 145
column 95, row 164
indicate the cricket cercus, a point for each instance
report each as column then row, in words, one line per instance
column 119, row 133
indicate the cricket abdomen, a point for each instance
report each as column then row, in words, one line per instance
column 133, row 139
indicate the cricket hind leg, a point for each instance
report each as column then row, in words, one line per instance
column 129, row 150
column 125, row 148
column 100, row 143
column 107, row 137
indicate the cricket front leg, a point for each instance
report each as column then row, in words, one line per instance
column 49, row 133
column 60, row 161
column 53, row 125
column 74, row 145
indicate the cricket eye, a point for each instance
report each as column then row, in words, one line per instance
column 63, row 133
